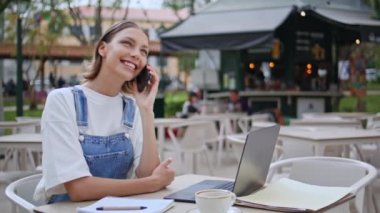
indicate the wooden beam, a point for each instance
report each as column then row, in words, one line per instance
column 8, row 50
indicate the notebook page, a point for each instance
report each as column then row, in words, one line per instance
column 293, row 194
column 152, row 205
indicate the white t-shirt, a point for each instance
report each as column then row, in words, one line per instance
column 63, row 158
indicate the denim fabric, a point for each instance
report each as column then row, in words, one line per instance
column 106, row 156
column 129, row 112
column 80, row 101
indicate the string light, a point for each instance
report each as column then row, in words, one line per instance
column 308, row 69
column 251, row 66
column 271, row 64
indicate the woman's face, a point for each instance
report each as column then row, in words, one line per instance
column 126, row 54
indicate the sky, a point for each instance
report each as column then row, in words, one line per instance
column 146, row 3
column 152, row 4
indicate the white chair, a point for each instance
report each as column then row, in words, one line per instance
column 375, row 186
column 328, row 171
column 191, row 141
column 35, row 156
column 20, row 193
column 245, row 123
column 373, row 122
column 23, row 158
column 371, row 153
column 35, row 126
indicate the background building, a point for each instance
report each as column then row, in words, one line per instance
column 282, row 53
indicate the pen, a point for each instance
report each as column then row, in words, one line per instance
column 115, row 208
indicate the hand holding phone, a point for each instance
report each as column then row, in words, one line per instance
column 142, row 79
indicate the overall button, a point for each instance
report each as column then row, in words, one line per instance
column 81, row 137
column 126, row 135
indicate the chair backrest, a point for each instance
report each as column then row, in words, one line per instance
column 196, row 133
column 33, row 128
column 329, row 171
column 373, row 122
column 246, row 123
column 20, row 192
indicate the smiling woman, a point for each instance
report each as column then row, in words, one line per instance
column 105, row 125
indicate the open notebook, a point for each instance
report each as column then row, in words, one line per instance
column 149, row 205
column 286, row 195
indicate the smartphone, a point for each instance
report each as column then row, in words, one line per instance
column 142, row 79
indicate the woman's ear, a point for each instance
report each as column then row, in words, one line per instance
column 102, row 50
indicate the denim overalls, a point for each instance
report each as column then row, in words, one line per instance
column 106, row 156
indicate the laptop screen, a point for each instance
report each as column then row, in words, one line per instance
column 253, row 167
column 255, row 160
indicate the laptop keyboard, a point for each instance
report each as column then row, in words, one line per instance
column 188, row 194
column 227, row 186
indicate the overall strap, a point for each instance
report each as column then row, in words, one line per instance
column 128, row 112
column 80, row 102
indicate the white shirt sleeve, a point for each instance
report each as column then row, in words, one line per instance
column 63, row 158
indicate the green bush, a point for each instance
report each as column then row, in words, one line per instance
column 374, row 85
column 173, row 102
column 11, row 115
column 373, row 103
column 349, row 103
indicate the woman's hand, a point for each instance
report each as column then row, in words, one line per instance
column 145, row 99
column 163, row 175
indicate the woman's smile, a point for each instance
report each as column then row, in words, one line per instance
column 131, row 66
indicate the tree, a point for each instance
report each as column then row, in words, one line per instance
column 375, row 4
column 192, row 5
column 43, row 24
column 78, row 21
column 186, row 60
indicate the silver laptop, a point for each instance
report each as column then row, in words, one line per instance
column 253, row 167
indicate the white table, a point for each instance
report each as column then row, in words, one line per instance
column 16, row 126
column 326, row 121
column 22, row 141
column 349, row 115
column 180, row 182
column 319, row 137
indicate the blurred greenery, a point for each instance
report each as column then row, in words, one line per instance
column 173, row 102
column 348, row 104
column 373, row 85
column 11, row 115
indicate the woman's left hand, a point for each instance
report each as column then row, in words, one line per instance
column 145, row 99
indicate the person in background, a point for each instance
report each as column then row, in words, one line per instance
column 240, row 104
column 191, row 106
column 97, row 140
column 237, row 103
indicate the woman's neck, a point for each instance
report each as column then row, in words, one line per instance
column 105, row 86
